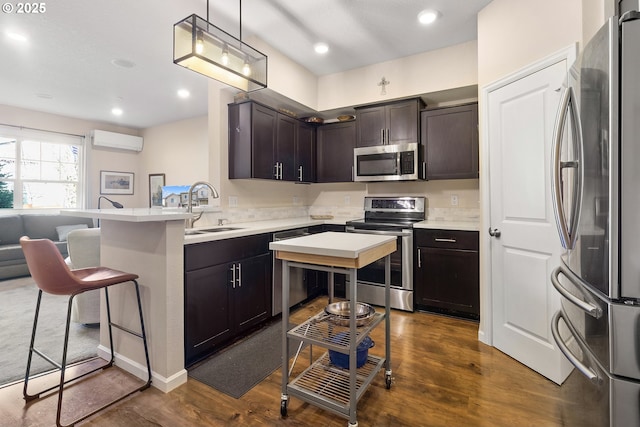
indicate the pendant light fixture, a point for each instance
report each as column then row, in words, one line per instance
column 204, row 48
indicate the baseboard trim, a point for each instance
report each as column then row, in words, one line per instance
column 158, row 381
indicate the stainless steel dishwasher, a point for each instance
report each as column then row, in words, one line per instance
column 297, row 284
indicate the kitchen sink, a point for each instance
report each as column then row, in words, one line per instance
column 191, row 231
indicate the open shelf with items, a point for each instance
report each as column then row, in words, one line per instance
column 322, row 383
column 320, row 330
column 327, row 385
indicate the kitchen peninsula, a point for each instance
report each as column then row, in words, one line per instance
column 149, row 243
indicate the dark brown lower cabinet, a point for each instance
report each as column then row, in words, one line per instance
column 447, row 272
column 252, row 293
column 207, row 311
column 227, row 290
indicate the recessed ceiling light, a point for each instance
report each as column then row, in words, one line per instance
column 321, row 48
column 183, row 93
column 116, row 111
column 427, row 17
column 16, row 36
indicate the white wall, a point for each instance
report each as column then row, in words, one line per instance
column 97, row 159
column 438, row 70
column 515, row 33
column 180, row 150
column 287, row 77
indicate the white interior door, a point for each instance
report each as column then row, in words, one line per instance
column 521, row 117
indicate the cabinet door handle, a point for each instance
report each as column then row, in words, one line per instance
column 239, row 275
column 382, row 136
column 424, row 170
column 439, row 239
column 388, row 140
column 276, row 170
column 300, row 174
column 233, row 276
column 419, row 258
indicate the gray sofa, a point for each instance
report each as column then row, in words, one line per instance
column 12, row 227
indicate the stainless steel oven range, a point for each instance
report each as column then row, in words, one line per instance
column 392, row 216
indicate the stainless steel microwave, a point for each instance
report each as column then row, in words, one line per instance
column 396, row 162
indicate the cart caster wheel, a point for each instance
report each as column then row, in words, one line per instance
column 283, row 408
column 388, row 381
column 353, row 425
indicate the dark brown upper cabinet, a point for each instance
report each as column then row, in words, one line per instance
column 336, row 142
column 449, row 138
column 284, row 148
column 266, row 144
column 305, row 153
column 390, row 123
column 252, row 136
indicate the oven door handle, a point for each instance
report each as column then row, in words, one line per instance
column 351, row 229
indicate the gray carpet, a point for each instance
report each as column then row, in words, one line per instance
column 17, row 307
column 237, row 369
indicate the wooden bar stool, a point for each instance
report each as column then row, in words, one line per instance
column 53, row 276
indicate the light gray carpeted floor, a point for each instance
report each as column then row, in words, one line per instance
column 17, row 308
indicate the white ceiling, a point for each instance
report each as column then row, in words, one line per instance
column 67, row 66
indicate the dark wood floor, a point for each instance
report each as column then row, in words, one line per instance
column 443, row 376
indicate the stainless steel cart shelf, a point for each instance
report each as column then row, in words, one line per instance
column 320, row 331
column 327, row 386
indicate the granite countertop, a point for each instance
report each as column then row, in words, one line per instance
column 242, row 229
column 130, row 214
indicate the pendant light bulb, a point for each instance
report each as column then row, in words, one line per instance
column 225, row 56
column 199, row 43
column 246, row 70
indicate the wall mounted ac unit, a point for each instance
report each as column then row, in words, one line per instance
column 102, row 138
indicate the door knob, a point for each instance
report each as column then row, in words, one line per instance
column 494, row 232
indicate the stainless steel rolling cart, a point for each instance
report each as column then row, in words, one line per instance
column 323, row 383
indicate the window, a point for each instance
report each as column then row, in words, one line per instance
column 40, row 169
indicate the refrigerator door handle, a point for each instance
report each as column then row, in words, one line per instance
column 567, row 230
column 556, row 185
column 591, row 309
column 584, row 369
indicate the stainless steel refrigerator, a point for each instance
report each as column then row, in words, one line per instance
column 596, row 188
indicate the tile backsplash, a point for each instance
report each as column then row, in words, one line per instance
column 238, row 215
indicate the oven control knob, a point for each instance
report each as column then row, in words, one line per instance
column 494, row 232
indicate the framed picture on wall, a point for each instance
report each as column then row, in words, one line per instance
column 156, row 182
column 112, row 182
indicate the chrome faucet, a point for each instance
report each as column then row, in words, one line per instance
column 194, row 218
